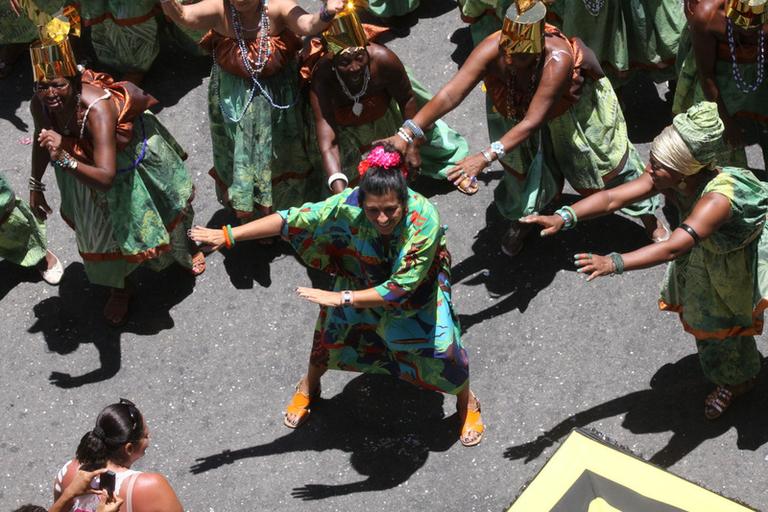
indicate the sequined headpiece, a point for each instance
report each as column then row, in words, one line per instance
column 523, row 29
column 52, row 56
column 345, row 33
column 747, row 13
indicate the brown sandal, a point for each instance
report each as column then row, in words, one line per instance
column 721, row 398
column 468, row 185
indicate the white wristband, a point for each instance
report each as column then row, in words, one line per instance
column 337, row 176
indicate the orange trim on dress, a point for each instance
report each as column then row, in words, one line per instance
column 721, row 334
column 123, row 22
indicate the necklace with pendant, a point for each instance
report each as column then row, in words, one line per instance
column 357, row 107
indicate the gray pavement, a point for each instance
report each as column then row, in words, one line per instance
column 212, row 363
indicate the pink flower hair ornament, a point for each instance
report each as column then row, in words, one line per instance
column 380, row 157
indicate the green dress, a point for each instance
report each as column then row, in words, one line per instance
column 416, row 336
column 144, row 216
column 443, row 149
column 749, row 109
column 585, row 145
column 259, row 159
column 627, row 35
column 19, row 29
column 389, row 8
column 22, row 235
column 485, row 16
column 720, row 288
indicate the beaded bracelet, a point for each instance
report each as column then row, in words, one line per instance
column 618, row 263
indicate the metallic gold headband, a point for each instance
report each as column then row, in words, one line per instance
column 523, row 29
column 52, row 56
column 747, row 13
column 345, row 32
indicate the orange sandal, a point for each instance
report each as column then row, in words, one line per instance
column 299, row 406
column 471, row 421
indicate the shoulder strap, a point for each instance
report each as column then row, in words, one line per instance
column 129, row 491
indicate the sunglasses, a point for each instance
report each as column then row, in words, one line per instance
column 133, row 412
column 48, row 87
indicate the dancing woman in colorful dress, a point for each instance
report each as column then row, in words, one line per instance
column 717, row 279
column 390, row 310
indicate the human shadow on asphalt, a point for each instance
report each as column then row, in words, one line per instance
column 516, row 281
column 674, row 403
column 12, row 276
column 16, row 89
column 388, row 426
column 74, row 317
column 400, row 26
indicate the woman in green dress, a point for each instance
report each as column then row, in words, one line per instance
column 552, row 115
column 717, row 279
column 22, row 236
column 390, row 310
column 124, row 187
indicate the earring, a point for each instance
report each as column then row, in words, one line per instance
column 682, row 185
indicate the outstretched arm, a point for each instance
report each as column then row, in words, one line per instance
column 266, row 227
column 203, row 15
column 302, row 23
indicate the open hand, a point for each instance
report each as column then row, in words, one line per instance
column 470, row 167
column 551, row 223
column 594, row 265
column 213, row 238
column 321, row 297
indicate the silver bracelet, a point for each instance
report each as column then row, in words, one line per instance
column 337, row 176
column 404, row 135
column 487, row 156
column 416, row 130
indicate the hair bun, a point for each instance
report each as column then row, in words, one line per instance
column 99, row 433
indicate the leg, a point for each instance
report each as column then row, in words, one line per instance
column 733, row 365
column 468, row 407
column 116, row 308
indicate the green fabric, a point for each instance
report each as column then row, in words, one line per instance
column 719, row 285
column 701, row 129
column 581, row 146
column 131, row 48
column 731, row 361
column 22, row 235
column 750, row 110
column 627, row 34
column 389, row 8
column 416, row 337
column 486, row 23
column 128, row 223
column 443, row 149
column 261, row 160
column 15, row 29
column 121, row 9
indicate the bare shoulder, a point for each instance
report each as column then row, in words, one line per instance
column 703, row 12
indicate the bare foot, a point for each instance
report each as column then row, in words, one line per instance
column 198, row 263
column 116, row 308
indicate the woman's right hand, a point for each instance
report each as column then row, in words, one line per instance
column 39, row 205
column 210, row 237
column 551, row 223
column 396, row 141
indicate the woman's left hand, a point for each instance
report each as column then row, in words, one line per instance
column 594, row 265
column 213, row 238
column 470, row 167
column 50, row 141
column 322, row 297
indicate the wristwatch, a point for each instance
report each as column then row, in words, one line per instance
column 498, row 148
column 346, row 298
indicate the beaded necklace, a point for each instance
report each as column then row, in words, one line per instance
column 740, row 82
column 517, row 103
column 357, row 107
column 254, row 69
column 594, row 6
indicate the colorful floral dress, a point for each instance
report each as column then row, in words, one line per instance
column 585, row 143
column 22, row 235
column 720, row 288
column 416, row 336
column 144, row 216
column 626, row 35
column 259, row 160
column 750, row 109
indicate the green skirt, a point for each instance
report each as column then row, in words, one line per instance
column 22, row 235
column 142, row 218
column 20, row 29
column 582, row 146
column 261, row 159
column 389, row 8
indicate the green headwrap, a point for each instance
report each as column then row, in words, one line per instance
column 701, row 129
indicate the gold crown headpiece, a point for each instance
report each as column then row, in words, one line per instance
column 52, row 56
column 747, row 13
column 523, row 29
column 345, row 32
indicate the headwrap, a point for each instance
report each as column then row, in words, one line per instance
column 693, row 140
column 345, row 33
column 383, row 159
column 523, row 29
column 52, row 55
column 747, row 13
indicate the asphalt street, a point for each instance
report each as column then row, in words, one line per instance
column 212, row 362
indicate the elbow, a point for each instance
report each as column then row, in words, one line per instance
column 105, row 182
